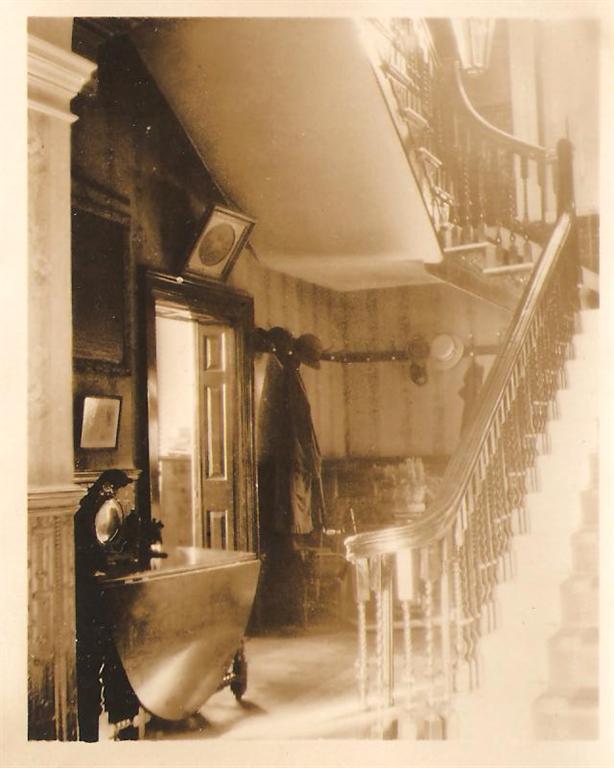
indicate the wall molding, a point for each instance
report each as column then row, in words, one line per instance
column 55, row 76
column 55, row 500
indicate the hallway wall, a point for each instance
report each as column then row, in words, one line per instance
column 129, row 144
column 389, row 414
column 301, row 307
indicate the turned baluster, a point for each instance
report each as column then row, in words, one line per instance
column 405, row 594
column 380, row 572
column 447, row 564
column 361, row 595
column 430, row 574
column 462, row 610
column 473, row 586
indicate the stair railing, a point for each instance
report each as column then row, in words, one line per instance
column 430, row 584
column 478, row 182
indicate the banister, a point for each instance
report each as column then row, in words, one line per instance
column 507, row 140
column 442, row 568
column 439, row 519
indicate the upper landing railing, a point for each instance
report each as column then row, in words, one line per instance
column 434, row 577
column 478, row 181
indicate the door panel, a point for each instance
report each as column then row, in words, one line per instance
column 216, row 394
column 200, row 413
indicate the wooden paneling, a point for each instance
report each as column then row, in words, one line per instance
column 52, row 705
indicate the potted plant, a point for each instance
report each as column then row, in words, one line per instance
column 411, row 490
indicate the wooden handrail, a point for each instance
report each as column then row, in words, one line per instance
column 437, row 522
column 448, row 561
column 506, row 140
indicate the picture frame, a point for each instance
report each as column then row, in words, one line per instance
column 102, row 281
column 100, row 416
column 221, row 235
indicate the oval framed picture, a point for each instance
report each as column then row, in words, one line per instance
column 222, row 233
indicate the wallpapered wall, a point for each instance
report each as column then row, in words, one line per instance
column 128, row 140
column 391, row 416
column 302, row 307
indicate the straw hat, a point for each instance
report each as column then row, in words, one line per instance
column 446, row 351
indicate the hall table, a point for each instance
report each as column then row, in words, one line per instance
column 179, row 624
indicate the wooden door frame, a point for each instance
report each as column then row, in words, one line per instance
column 232, row 307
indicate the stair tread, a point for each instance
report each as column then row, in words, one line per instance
column 587, row 635
column 581, row 696
column 582, row 578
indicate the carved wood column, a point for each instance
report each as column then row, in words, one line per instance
column 55, row 75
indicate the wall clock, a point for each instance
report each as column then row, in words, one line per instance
column 222, row 233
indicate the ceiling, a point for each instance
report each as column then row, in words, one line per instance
column 289, row 119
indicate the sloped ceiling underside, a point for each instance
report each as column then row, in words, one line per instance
column 289, row 119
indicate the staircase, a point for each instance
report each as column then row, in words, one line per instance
column 569, row 707
column 539, row 667
column 503, row 564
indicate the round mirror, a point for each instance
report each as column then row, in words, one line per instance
column 108, row 521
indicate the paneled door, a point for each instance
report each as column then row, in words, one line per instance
column 200, row 413
column 216, row 382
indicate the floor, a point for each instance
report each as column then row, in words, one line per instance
column 301, row 684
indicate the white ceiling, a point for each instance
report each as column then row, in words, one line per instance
column 288, row 117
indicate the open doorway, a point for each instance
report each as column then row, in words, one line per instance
column 199, row 381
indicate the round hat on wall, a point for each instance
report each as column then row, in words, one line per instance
column 446, row 351
column 309, row 349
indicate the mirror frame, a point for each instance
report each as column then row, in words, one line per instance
column 235, row 308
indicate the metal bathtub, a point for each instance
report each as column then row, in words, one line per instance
column 178, row 625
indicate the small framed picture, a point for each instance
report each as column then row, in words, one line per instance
column 100, row 421
column 222, row 233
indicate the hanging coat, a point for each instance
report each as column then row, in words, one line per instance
column 291, row 488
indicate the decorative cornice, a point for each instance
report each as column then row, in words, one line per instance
column 55, row 76
column 54, row 500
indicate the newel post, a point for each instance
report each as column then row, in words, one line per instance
column 572, row 274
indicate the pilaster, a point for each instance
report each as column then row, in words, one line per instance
column 55, row 76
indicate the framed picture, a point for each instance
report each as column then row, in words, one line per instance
column 101, row 279
column 222, row 233
column 100, row 421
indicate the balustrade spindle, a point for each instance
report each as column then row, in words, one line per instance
column 361, row 595
column 445, row 617
column 493, row 554
column 468, row 614
column 461, row 681
column 426, row 568
column 405, row 593
column 476, row 595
